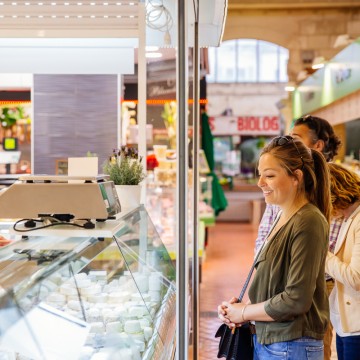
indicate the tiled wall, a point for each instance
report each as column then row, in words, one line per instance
column 73, row 114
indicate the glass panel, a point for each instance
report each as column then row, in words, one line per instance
column 246, row 64
column 211, row 77
column 153, row 273
column 283, row 64
column 268, row 66
column 117, row 293
column 226, row 63
column 222, row 145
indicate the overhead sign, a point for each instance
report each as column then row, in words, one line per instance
column 337, row 79
column 245, row 125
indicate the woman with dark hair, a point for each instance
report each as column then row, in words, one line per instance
column 288, row 300
column 344, row 264
column 316, row 133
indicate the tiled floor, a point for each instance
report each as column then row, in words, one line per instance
column 229, row 255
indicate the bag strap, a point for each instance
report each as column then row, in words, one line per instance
column 243, row 290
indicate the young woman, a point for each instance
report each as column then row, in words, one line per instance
column 316, row 133
column 288, row 298
column 344, row 264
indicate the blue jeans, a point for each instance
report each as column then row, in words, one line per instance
column 348, row 347
column 304, row 348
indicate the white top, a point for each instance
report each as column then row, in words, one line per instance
column 333, row 299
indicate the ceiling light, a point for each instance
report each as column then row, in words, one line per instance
column 152, row 48
column 290, row 88
column 318, row 63
column 153, row 55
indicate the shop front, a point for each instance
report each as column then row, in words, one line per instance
column 333, row 93
column 238, row 141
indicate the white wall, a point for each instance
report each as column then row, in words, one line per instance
column 245, row 99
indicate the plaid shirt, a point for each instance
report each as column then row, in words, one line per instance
column 335, row 226
column 269, row 216
column 265, row 225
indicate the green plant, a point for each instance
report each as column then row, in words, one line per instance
column 9, row 116
column 125, row 167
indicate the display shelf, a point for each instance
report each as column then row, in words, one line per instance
column 161, row 207
column 101, row 296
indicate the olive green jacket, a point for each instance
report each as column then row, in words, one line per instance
column 290, row 279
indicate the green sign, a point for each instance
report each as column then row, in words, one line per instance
column 338, row 78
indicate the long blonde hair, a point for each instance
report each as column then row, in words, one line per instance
column 345, row 187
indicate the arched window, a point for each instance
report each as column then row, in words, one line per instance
column 247, row 61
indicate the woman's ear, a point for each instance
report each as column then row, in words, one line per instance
column 298, row 175
column 319, row 145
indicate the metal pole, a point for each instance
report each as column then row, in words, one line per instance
column 196, row 182
column 141, row 110
column 182, row 262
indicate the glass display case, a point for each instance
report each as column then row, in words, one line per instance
column 74, row 293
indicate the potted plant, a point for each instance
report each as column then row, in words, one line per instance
column 126, row 170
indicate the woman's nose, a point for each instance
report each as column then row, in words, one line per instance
column 260, row 182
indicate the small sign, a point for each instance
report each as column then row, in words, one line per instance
column 245, row 125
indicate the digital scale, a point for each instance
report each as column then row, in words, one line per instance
column 79, row 197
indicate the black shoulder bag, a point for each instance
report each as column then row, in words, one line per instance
column 237, row 344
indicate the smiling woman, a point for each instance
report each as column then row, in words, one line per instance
column 288, row 304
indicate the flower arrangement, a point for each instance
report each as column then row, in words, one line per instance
column 125, row 167
column 151, row 162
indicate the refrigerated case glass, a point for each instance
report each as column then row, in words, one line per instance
column 76, row 294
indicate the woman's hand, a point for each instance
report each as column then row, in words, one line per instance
column 223, row 312
column 234, row 312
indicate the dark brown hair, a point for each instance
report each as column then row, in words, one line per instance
column 322, row 130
